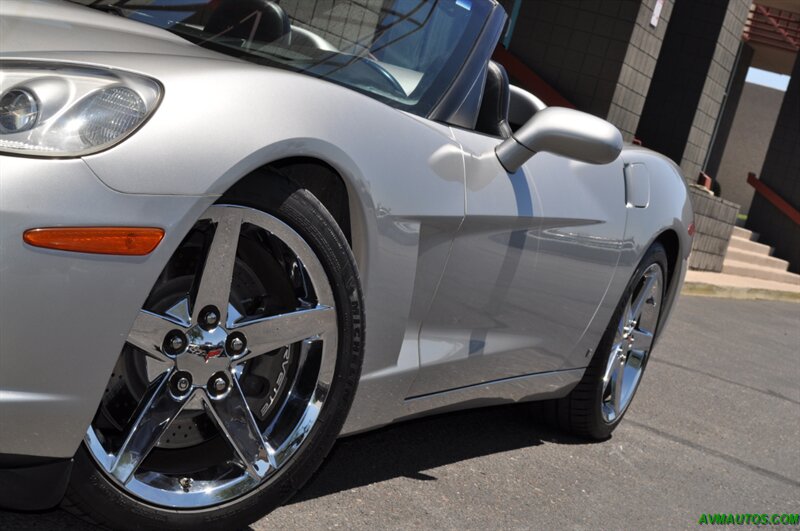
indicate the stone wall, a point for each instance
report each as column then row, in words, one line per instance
column 690, row 79
column 599, row 54
column 715, row 87
column 638, row 67
column 714, row 219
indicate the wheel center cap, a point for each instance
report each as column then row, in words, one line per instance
column 205, row 355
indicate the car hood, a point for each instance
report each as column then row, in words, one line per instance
column 33, row 27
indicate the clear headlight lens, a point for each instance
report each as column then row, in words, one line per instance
column 18, row 111
column 53, row 110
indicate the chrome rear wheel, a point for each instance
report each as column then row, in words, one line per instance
column 595, row 407
column 225, row 371
column 633, row 341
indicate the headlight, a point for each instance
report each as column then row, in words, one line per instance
column 18, row 111
column 52, row 110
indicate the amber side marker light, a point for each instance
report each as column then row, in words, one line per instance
column 125, row 241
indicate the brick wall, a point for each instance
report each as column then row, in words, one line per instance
column 637, row 67
column 689, row 83
column 714, row 88
column 729, row 108
column 599, row 54
column 714, row 220
column 577, row 47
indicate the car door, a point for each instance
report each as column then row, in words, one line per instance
column 528, row 269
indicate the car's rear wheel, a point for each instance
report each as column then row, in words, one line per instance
column 596, row 406
column 237, row 374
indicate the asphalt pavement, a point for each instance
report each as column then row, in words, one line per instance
column 715, row 428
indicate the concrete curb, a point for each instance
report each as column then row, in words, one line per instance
column 702, row 289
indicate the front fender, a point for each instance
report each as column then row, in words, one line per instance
column 220, row 119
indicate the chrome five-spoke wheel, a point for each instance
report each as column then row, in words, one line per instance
column 226, row 368
column 594, row 408
column 632, row 343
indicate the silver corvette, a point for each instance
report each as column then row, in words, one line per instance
column 234, row 230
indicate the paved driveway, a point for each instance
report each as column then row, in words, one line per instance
column 715, row 428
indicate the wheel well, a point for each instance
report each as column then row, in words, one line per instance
column 317, row 177
column 669, row 239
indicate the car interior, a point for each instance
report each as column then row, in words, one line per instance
column 504, row 107
column 493, row 114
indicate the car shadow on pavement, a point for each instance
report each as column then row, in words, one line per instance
column 407, row 449
column 411, row 448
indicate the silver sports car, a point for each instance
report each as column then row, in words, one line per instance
column 234, row 230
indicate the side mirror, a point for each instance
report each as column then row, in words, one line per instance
column 566, row 132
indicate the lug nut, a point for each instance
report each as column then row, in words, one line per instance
column 235, row 344
column 218, row 385
column 209, row 317
column 182, row 384
column 176, row 343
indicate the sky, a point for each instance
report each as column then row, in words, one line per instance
column 768, row 79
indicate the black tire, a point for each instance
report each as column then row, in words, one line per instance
column 579, row 413
column 94, row 497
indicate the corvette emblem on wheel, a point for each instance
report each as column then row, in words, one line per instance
column 213, row 353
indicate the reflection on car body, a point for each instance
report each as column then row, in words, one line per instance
column 359, row 220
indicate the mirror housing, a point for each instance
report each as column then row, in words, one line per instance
column 566, row 132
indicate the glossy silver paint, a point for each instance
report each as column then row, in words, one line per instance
column 566, row 132
column 480, row 286
column 548, row 263
column 54, row 381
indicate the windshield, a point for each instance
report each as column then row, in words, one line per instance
column 403, row 52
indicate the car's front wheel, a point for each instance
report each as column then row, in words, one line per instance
column 237, row 374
